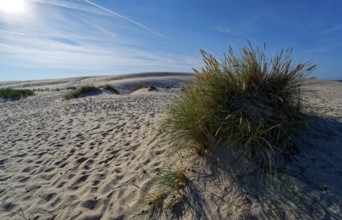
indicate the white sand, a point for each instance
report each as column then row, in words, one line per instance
column 81, row 159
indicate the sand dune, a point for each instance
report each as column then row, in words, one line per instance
column 83, row 158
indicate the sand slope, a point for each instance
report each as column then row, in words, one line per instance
column 81, row 159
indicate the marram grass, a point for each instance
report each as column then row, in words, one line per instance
column 249, row 103
column 169, row 190
column 80, row 92
column 9, row 93
column 143, row 86
column 110, row 88
column 172, row 179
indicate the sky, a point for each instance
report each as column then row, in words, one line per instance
column 46, row 39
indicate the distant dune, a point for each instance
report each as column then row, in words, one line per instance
column 116, row 79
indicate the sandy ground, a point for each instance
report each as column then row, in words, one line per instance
column 83, row 158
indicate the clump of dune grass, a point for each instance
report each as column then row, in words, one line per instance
column 110, row 88
column 249, row 102
column 168, row 191
column 173, row 183
column 172, row 179
column 41, row 90
column 9, row 93
column 70, row 88
column 153, row 199
column 80, row 92
column 143, row 86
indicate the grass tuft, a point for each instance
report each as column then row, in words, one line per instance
column 70, row 88
column 249, row 103
column 169, row 190
column 172, row 179
column 142, row 86
column 15, row 93
column 110, row 88
column 153, row 199
column 41, row 90
column 80, row 92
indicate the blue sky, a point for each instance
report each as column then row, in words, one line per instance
column 65, row 38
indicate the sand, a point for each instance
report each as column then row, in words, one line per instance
column 84, row 158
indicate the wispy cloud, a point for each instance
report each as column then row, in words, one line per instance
column 225, row 30
column 63, row 39
column 76, row 5
column 230, row 31
column 333, row 29
column 91, row 7
column 325, row 48
column 126, row 18
column 240, row 27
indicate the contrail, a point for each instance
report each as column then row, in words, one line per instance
column 127, row 19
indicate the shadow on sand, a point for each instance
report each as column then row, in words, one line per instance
column 309, row 186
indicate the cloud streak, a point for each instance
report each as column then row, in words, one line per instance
column 333, row 29
column 100, row 10
column 224, row 30
column 60, row 39
column 126, row 18
column 75, row 5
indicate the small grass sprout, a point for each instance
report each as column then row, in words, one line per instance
column 168, row 191
column 174, row 201
column 172, row 179
column 153, row 199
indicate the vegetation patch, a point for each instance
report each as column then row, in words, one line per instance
column 9, row 93
column 172, row 179
column 110, row 88
column 143, row 86
column 169, row 190
column 249, row 103
column 70, row 88
column 41, row 90
column 81, row 92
